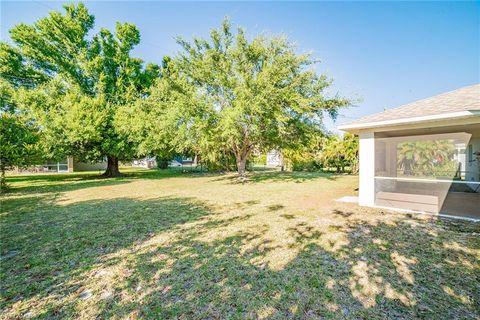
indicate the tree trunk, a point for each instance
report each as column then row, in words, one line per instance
column 282, row 161
column 112, row 167
column 241, row 165
column 227, row 161
column 355, row 167
column 3, row 181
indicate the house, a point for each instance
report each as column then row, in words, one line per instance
column 423, row 156
column 147, row 163
column 185, row 160
column 70, row 164
column 274, row 158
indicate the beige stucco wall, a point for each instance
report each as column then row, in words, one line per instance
column 83, row 166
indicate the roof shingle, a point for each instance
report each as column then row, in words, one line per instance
column 463, row 99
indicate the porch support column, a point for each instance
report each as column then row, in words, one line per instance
column 367, row 169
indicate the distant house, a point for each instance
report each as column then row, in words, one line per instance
column 423, row 156
column 185, row 160
column 69, row 164
column 147, row 163
column 274, row 158
column 151, row 162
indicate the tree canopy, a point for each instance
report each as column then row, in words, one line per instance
column 18, row 134
column 224, row 96
column 231, row 95
column 75, row 84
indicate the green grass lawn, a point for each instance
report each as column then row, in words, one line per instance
column 164, row 245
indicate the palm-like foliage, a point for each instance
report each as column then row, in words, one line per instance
column 340, row 152
column 420, row 158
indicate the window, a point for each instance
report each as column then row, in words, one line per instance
column 61, row 166
column 470, row 153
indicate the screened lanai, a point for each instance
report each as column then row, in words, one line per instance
column 432, row 172
column 423, row 156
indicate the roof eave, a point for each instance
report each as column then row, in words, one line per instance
column 355, row 128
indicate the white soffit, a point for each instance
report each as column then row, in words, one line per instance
column 412, row 120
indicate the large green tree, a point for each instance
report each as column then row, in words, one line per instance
column 77, row 83
column 18, row 134
column 237, row 96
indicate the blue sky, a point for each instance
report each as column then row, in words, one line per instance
column 383, row 54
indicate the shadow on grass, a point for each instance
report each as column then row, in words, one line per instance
column 50, row 255
column 166, row 266
column 44, row 183
column 290, row 176
column 74, row 181
column 342, row 213
column 55, row 245
column 408, row 269
column 384, row 273
column 278, row 176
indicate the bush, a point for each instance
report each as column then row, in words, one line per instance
column 162, row 163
